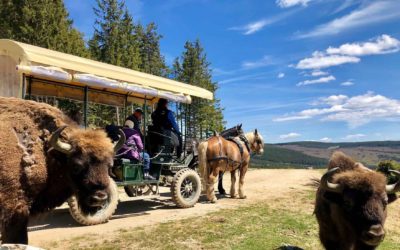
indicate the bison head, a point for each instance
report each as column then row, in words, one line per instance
column 361, row 196
column 88, row 156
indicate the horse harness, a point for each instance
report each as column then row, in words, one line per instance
column 238, row 141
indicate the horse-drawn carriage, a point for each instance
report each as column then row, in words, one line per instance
column 40, row 74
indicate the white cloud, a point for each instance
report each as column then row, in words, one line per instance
column 242, row 78
column 319, row 73
column 376, row 12
column 253, row 27
column 265, row 61
column 346, row 4
column 325, row 79
column 291, row 3
column 353, row 137
column 355, row 111
column 349, row 53
column 289, row 136
column 347, row 83
column 333, row 100
column 281, row 75
column 320, row 60
column 291, row 118
column 326, row 139
column 381, row 45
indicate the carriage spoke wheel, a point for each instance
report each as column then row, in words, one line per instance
column 101, row 215
column 186, row 188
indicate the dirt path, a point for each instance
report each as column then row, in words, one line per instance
column 259, row 185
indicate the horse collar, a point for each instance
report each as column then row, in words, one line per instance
column 246, row 142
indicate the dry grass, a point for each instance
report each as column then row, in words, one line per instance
column 268, row 225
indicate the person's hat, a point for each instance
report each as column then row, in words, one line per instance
column 129, row 124
column 139, row 110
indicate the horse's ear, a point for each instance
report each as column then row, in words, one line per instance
column 256, row 132
column 240, row 125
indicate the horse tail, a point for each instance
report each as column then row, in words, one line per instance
column 203, row 163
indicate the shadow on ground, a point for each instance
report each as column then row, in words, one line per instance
column 289, row 248
column 60, row 218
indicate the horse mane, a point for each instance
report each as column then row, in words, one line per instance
column 251, row 137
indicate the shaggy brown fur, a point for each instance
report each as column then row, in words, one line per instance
column 354, row 217
column 35, row 178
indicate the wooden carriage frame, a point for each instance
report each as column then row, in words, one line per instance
column 27, row 70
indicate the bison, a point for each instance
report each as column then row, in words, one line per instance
column 351, row 205
column 45, row 158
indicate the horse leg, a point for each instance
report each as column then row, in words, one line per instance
column 15, row 230
column 233, row 184
column 210, row 186
column 243, row 171
column 221, row 189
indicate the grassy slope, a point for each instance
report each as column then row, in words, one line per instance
column 261, row 226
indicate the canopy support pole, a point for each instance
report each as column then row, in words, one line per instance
column 85, row 106
column 29, row 88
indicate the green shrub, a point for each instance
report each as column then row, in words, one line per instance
column 385, row 166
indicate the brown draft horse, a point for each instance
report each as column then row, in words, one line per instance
column 218, row 154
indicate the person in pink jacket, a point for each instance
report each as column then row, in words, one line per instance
column 133, row 148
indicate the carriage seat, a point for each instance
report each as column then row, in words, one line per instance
column 158, row 139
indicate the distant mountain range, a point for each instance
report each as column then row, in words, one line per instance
column 306, row 154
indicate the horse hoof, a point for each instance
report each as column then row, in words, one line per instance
column 213, row 201
column 234, row 196
column 243, row 197
column 222, row 192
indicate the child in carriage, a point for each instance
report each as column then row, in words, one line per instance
column 133, row 149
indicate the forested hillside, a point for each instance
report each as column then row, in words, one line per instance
column 277, row 157
column 316, row 154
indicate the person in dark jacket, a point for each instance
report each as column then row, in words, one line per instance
column 163, row 118
column 136, row 118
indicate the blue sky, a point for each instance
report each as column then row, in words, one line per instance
column 324, row 70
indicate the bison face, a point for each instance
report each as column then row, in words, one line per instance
column 366, row 211
column 90, row 179
column 360, row 198
column 89, row 156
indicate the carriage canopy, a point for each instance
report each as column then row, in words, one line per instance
column 27, row 69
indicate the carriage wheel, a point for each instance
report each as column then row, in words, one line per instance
column 186, row 188
column 99, row 216
column 132, row 190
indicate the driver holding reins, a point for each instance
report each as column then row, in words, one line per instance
column 164, row 118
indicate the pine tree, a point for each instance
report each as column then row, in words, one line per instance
column 129, row 43
column 149, row 47
column 43, row 23
column 114, row 40
column 193, row 68
column 105, row 44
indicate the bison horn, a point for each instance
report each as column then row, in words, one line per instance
column 57, row 144
column 331, row 187
column 118, row 145
column 393, row 188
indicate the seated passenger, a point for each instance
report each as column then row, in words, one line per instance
column 133, row 149
column 136, row 118
column 163, row 118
